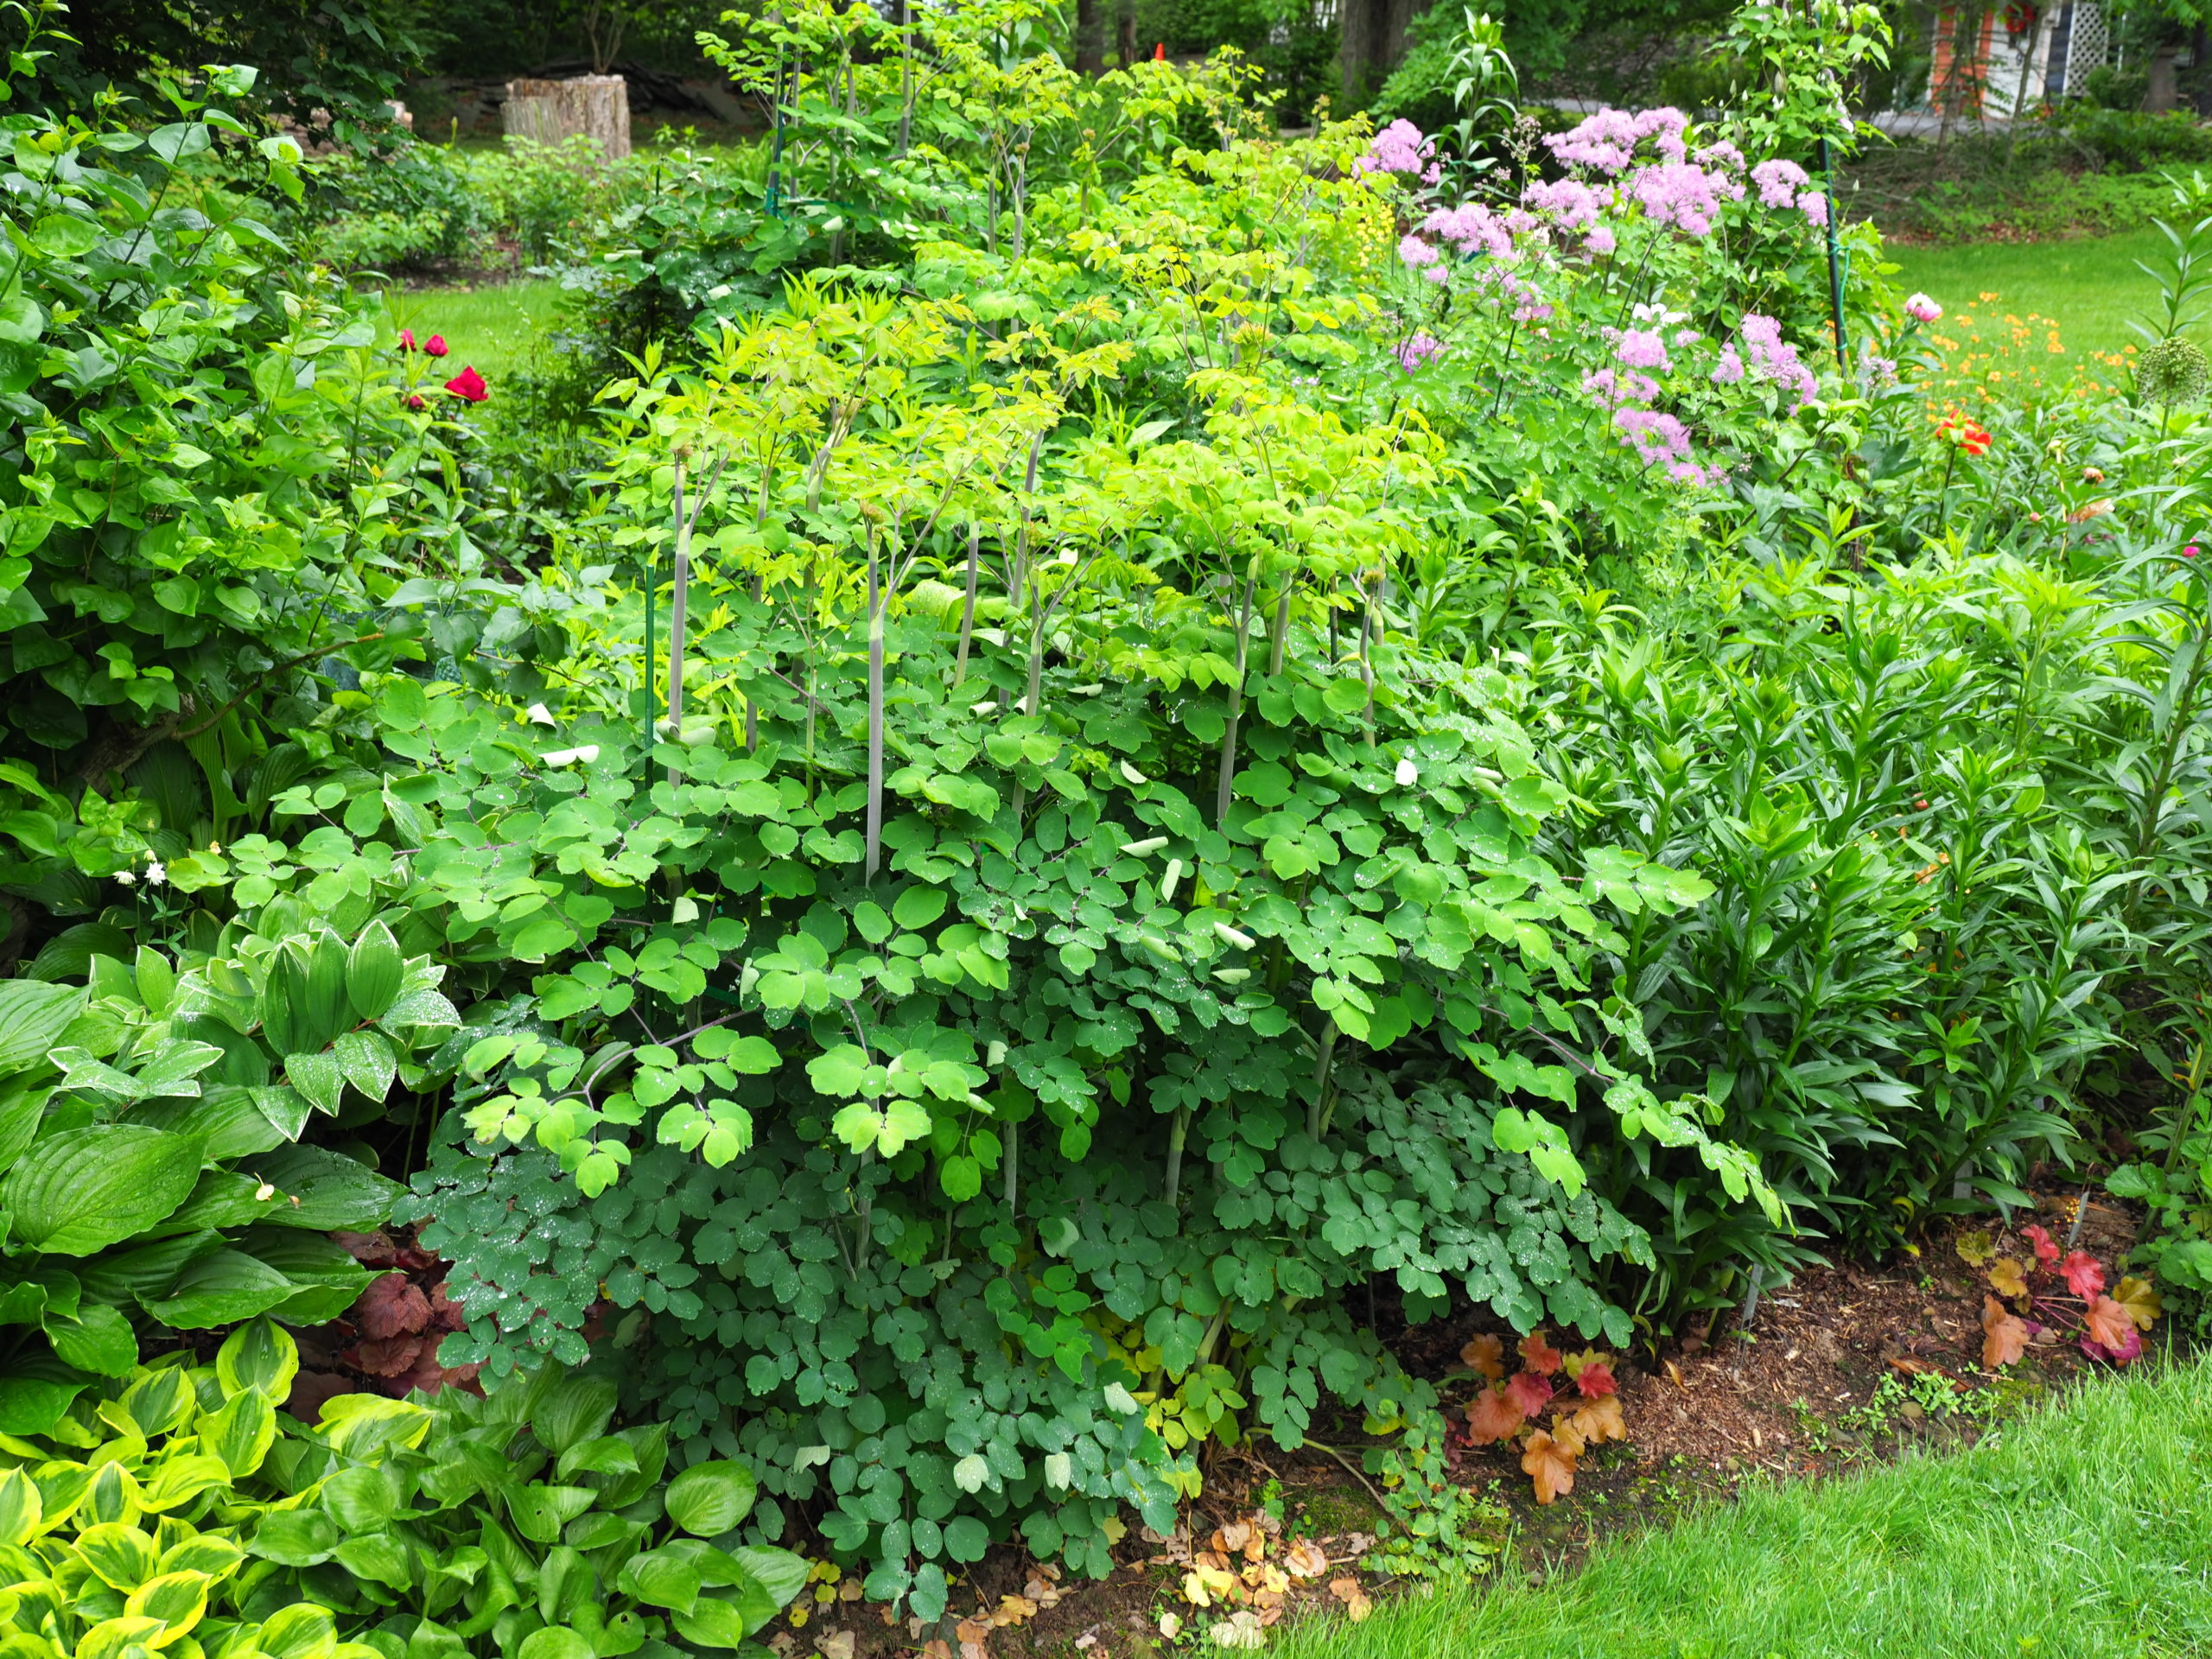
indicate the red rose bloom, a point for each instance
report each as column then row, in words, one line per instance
column 468, row 385
column 414, row 400
column 435, row 345
column 407, row 340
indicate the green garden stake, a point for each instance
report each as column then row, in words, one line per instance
column 1835, row 259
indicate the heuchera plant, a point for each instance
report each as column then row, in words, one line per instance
column 2044, row 1287
column 1579, row 1389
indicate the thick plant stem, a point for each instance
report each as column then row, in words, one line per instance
column 1178, row 1131
column 678, row 612
column 1317, row 1118
column 1013, row 1166
column 875, row 609
column 1279, row 634
column 967, row 607
column 1227, row 775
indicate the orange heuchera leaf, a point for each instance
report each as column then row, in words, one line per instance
column 1532, row 1393
column 2141, row 1301
column 2085, row 1275
column 1550, row 1465
column 2006, row 1278
column 2111, row 1324
column 1540, row 1356
column 1485, row 1354
column 2003, row 1335
column 1593, row 1377
column 1348, row 1590
column 1565, row 1437
column 1598, row 1420
column 1495, row 1414
column 1974, row 1248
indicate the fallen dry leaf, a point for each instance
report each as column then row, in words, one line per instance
column 1233, row 1537
column 937, row 1648
column 1307, row 1559
column 835, row 1644
column 1348, row 1590
column 1171, row 1625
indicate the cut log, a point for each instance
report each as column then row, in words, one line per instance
column 549, row 111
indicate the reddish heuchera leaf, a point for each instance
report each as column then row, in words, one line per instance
column 1485, row 1354
column 392, row 1308
column 2006, row 1278
column 2046, row 1246
column 2111, row 1325
column 389, row 1356
column 2004, row 1338
column 2132, row 1349
column 2085, row 1275
column 1594, row 1379
column 1532, row 1392
column 1495, row 1414
column 1550, row 1465
column 1538, row 1354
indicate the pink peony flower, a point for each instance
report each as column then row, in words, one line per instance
column 1921, row 308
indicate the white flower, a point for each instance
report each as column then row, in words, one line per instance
column 155, row 874
column 1407, row 774
column 586, row 752
column 539, row 714
column 126, row 878
column 265, row 1192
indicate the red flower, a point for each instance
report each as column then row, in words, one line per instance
column 470, row 384
column 2190, row 552
column 1160, row 53
column 435, row 345
column 407, row 340
column 414, row 400
column 1969, row 436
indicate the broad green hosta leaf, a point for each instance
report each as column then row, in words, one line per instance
column 84, row 1190
column 32, row 1017
column 708, row 1499
column 374, row 969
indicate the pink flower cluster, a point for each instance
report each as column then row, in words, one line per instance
column 1608, row 140
column 1401, row 148
column 1630, row 388
column 1571, row 202
column 1684, row 194
column 1471, row 228
column 1776, row 359
column 1643, row 348
column 1779, row 182
column 1418, row 349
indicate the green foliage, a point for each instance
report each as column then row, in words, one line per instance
column 149, row 1131
column 520, row 1522
column 208, row 462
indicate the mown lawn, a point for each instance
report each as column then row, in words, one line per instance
column 496, row 326
column 2089, row 288
column 2082, row 1532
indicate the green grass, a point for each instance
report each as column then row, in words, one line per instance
column 2090, row 288
column 2082, row 1532
column 496, row 328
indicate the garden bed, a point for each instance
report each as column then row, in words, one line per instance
column 1826, row 1378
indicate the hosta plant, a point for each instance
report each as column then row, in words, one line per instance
column 120, row 1524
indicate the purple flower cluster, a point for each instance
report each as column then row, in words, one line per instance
column 1417, row 349
column 1416, row 252
column 1776, row 359
column 1729, row 369
column 1608, row 140
column 1401, row 148
column 1629, row 388
column 1684, row 194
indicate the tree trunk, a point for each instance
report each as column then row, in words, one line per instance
column 2160, row 97
column 1089, row 38
column 548, row 112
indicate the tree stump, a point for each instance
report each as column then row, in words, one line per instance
column 548, row 112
